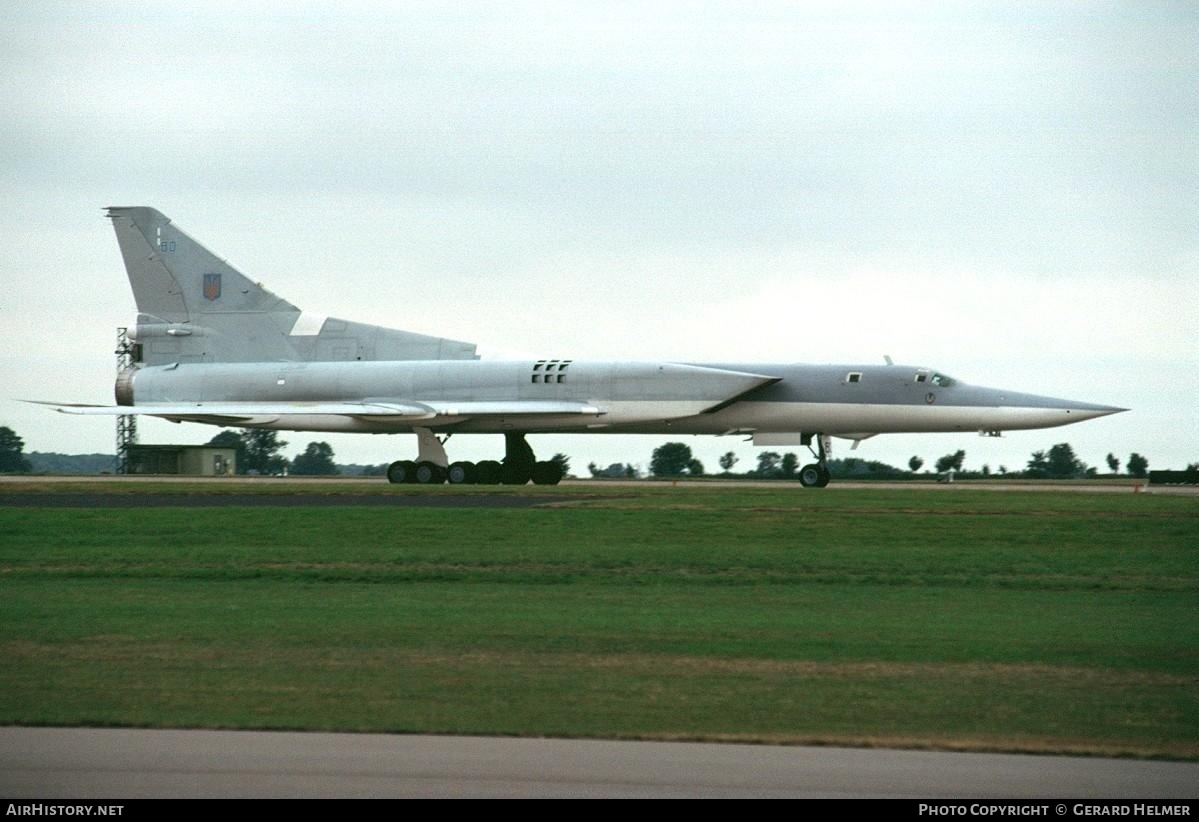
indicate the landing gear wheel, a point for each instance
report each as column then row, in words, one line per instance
column 429, row 473
column 487, row 472
column 462, row 473
column 515, row 473
column 547, row 473
column 813, row 476
column 401, row 471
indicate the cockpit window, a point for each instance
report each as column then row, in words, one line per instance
column 942, row 380
column 921, row 376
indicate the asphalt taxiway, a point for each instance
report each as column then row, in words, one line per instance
column 80, row 763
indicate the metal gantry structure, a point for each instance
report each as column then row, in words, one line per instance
column 126, row 424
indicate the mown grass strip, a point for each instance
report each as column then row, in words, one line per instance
column 1030, row 622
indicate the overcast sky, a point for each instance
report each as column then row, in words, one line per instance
column 1007, row 192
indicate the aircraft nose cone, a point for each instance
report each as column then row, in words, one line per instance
column 1089, row 411
column 1038, row 411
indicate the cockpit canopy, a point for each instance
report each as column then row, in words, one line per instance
column 935, row 378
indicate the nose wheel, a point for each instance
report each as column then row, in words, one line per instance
column 816, row 475
column 813, row 476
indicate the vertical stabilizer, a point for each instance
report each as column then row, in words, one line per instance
column 177, row 279
column 194, row 307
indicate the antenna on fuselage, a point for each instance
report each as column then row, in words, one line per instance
column 887, row 357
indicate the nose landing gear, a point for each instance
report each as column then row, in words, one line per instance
column 816, row 475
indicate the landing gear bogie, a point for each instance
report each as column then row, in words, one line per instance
column 518, row 467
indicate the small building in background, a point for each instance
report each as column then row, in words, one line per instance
column 188, row 460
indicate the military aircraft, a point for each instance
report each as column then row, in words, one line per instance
column 212, row 346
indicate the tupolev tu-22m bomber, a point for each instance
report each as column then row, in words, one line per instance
column 211, row 346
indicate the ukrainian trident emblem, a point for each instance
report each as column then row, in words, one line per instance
column 212, row 286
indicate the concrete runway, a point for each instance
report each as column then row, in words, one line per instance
column 305, row 500
column 252, row 484
column 81, row 763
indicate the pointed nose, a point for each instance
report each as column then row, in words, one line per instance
column 1078, row 411
column 1020, row 410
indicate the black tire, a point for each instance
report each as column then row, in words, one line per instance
column 810, row 476
column 428, row 473
column 487, row 472
column 462, row 473
column 547, row 473
column 824, row 477
column 401, row 471
column 515, row 474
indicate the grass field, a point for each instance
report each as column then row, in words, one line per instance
column 1061, row 622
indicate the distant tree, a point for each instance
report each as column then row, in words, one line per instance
column 728, row 461
column 632, row 471
column 854, row 468
column 986, row 470
column 1062, row 463
column 695, row 468
column 232, row 439
column 317, row 460
column 915, row 463
column 1038, row 465
column 670, row 460
column 262, row 451
column 1003, row 469
column 49, row 463
column 1138, row 466
column 769, row 465
column 563, row 462
column 1113, row 463
column 616, row 469
column 953, row 461
column 374, row 470
column 12, row 458
column 790, row 464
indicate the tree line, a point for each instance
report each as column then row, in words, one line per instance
column 674, row 459
column 259, row 452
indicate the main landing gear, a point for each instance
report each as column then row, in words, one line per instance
column 432, row 466
column 816, row 475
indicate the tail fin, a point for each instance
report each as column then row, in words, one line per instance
column 194, row 307
column 178, row 280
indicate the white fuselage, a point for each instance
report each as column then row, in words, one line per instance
column 592, row 397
